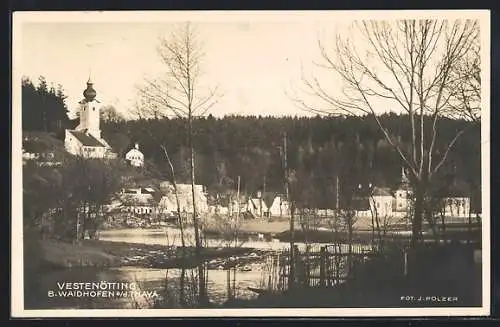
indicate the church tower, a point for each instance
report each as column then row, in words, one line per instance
column 90, row 112
column 86, row 139
column 402, row 193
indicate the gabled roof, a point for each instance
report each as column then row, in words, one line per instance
column 87, row 139
column 381, row 191
column 360, row 203
column 134, row 151
column 137, row 199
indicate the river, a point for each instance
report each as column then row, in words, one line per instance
column 151, row 282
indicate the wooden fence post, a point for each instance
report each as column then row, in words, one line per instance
column 322, row 264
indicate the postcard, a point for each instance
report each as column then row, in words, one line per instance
column 250, row 164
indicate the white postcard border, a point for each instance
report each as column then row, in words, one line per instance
column 17, row 287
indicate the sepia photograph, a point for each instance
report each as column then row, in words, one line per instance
column 279, row 163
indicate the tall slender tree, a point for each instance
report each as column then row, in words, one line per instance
column 179, row 92
column 412, row 65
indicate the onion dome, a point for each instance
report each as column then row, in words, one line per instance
column 89, row 93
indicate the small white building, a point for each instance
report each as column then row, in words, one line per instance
column 381, row 202
column 185, row 198
column 456, row 207
column 46, row 159
column 257, row 207
column 138, row 200
column 135, row 157
column 85, row 140
column 279, row 207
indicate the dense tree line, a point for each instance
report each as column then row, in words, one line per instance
column 43, row 107
column 318, row 151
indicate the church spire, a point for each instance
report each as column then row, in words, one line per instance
column 404, row 178
column 89, row 93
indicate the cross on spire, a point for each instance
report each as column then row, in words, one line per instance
column 89, row 81
column 404, row 178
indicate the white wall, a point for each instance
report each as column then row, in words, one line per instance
column 456, row 206
column 90, row 118
column 381, row 204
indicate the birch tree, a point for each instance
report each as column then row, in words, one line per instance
column 180, row 92
column 428, row 69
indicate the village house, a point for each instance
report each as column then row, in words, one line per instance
column 135, row 157
column 168, row 202
column 257, row 206
column 236, row 205
column 85, row 140
column 140, row 201
column 456, row 206
column 41, row 150
column 41, row 158
column 279, row 207
column 383, row 202
column 267, row 204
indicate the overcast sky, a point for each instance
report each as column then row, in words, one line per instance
column 253, row 58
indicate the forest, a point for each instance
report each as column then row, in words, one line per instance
column 318, row 149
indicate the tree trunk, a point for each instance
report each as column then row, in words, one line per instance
column 469, row 213
column 379, row 232
column 349, row 241
column 182, row 282
column 201, row 275
column 373, row 228
column 228, row 281
column 416, row 235
column 179, row 215
column 291, row 279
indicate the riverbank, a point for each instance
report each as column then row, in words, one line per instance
column 53, row 254
column 279, row 229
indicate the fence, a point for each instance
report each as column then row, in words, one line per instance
column 323, row 266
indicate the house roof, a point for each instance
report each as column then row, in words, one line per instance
column 134, row 151
column 137, row 199
column 381, row 191
column 256, row 203
column 86, row 139
column 360, row 203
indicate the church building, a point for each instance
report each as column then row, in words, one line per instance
column 85, row 140
column 135, row 157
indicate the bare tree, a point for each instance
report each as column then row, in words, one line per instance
column 413, row 65
column 110, row 114
column 178, row 92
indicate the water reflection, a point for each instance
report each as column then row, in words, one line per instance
column 249, row 274
column 171, row 236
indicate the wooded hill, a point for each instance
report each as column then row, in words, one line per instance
column 318, row 150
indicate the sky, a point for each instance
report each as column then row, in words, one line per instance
column 255, row 60
column 253, row 64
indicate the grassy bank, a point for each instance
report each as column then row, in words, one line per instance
column 52, row 254
column 280, row 229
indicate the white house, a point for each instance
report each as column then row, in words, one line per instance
column 41, row 159
column 381, row 202
column 397, row 205
column 138, row 200
column 85, row 140
column 169, row 203
column 279, row 208
column 456, row 207
column 257, row 207
column 135, row 157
